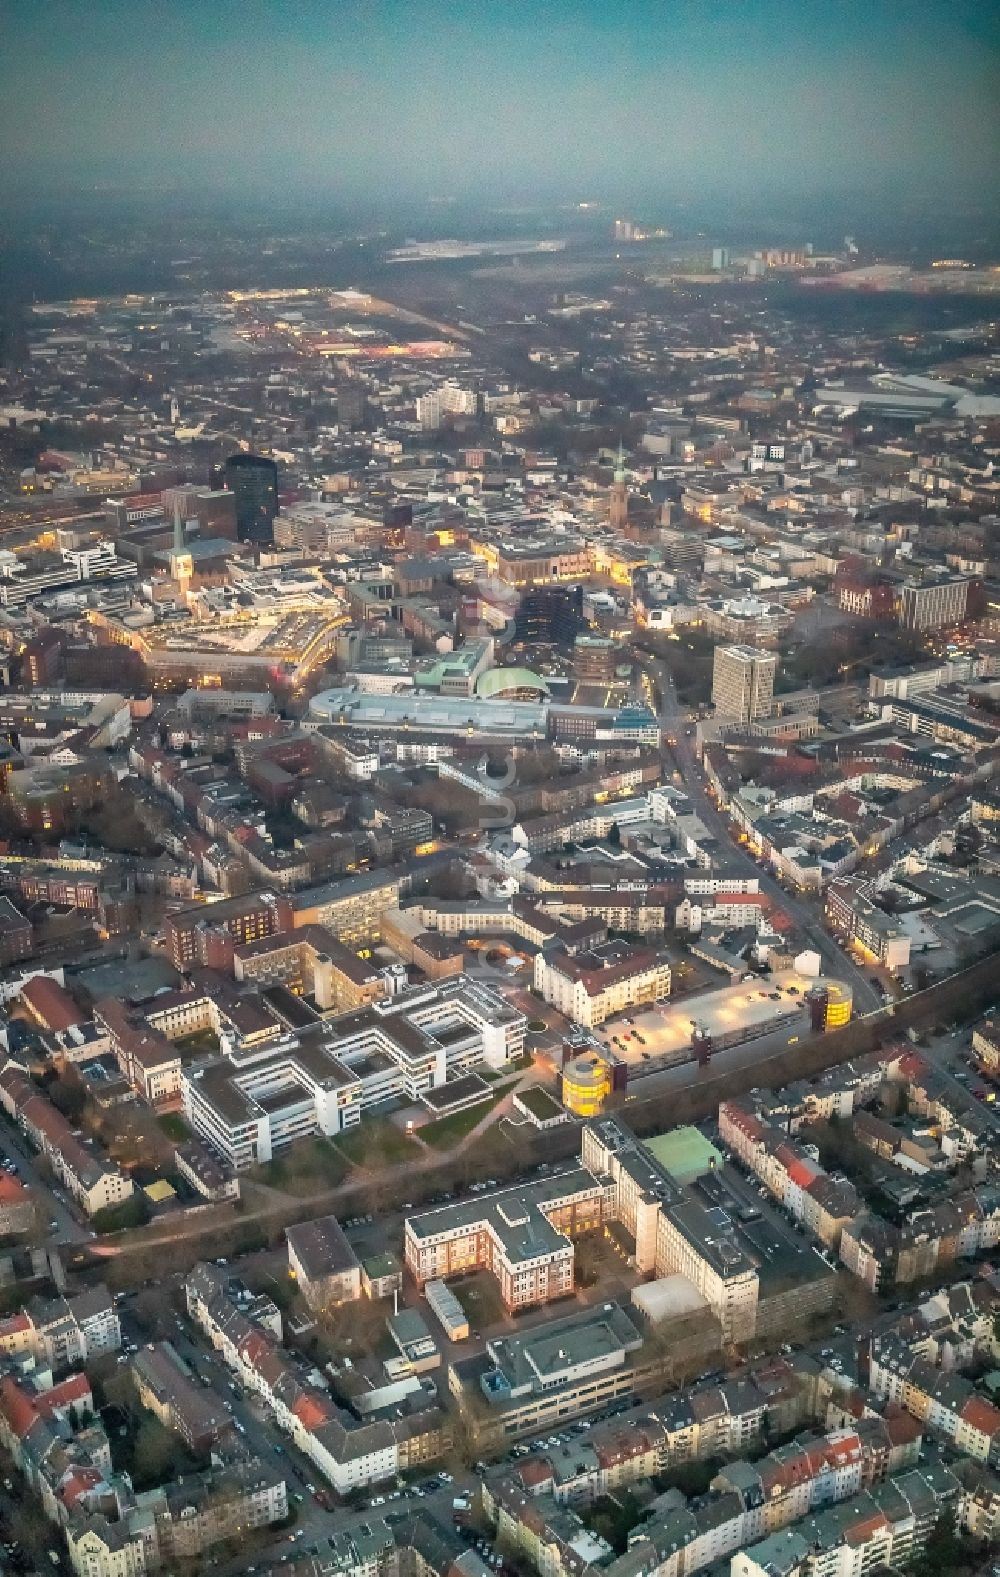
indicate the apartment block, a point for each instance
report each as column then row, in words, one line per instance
column 743, row 682
column 522, row 1235
column 191, row 1412
column 322, row 1263
column 590, row 987
column 850, row 909
column 674, row 1233
column 94, row 1182
column 932, row 604
column 208, row 935
column 312, row 962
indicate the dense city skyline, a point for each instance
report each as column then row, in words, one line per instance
column 499, row 788
column 449, row 99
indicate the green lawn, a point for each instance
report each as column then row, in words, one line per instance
column 446, row 1132
column 174, row 1126
column 376, row 1142
column 307, row 1168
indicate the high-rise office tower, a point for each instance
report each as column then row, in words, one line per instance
column 352, row 400
column 253, row 482
column 743, row 682
column 430, row 410
column 550, row 615
column 935, row 603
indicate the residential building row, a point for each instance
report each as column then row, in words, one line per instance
column 350, row 1450
column 944, row 1401
column 94, row 1182
column 60, row 1332
column 57, row 1440
column 778, row 1502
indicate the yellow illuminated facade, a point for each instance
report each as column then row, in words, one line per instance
column 839, row 1002
column 586, row 1085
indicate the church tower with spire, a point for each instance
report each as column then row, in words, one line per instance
column 618, row 498
column 181, row 562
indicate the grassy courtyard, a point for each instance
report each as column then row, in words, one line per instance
column 376, row 1142
column 307, row 1168
column 446, row 1132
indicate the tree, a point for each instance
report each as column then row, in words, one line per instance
column 68, row 1096
column 154, row 1454
column 612, row 1517
column 588, row 1259
column 152, row 1312
column 132, row 1212
column 947, row 1552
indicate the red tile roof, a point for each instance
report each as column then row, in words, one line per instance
column 802, row 1172
column 311, row 1412
column 534, row 1472
column 980, row 1414
column 254, row 1347
column 75, row 1388
column 17, row 1407
column 50, row 1004
column 861, row 1532
column 80, row 1482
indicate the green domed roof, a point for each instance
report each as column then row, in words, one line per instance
column 496, row 681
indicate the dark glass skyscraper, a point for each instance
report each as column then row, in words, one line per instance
column 550, row 615
column 253, row 482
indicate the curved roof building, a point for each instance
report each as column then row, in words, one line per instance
column 509, row 682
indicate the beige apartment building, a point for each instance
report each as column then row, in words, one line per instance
column 590, row 987
column 522, row 1235
column 743, row 682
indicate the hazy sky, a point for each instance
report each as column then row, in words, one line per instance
column 452, row 97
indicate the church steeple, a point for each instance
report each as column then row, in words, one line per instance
column 181, row 562
column 618, row 499
column 180, row 540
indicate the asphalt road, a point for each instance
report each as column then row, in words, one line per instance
column 313, row 1523
column 837, row 965
column 260, row 1433
column 942, row 1053
column 15, row 1146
